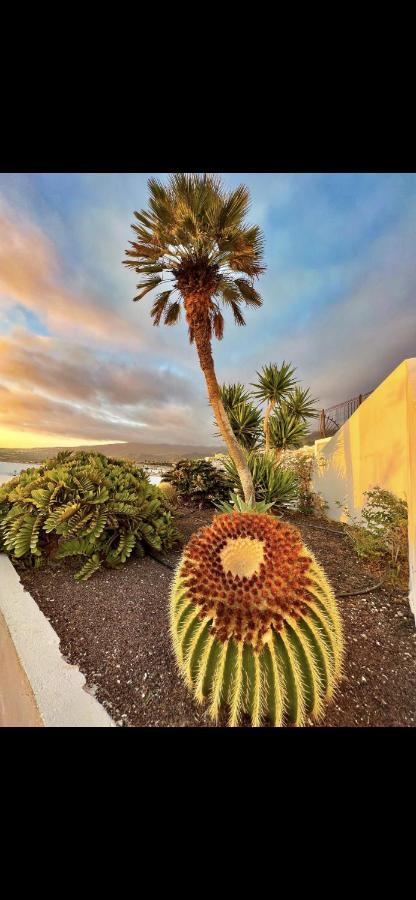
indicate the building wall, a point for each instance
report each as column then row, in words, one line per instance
column 375, row 447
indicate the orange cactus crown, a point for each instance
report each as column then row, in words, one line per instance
column 249, row 572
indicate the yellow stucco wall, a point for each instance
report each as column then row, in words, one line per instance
column 375, row 447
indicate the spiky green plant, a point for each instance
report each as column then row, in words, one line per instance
column 287, row 431
column 244, row 416
column 233, row 394
column 273, row 484
column 87, row 505
column 237, row 504
column 273, row 386
column 254, row 622
column 246, row 423
column 300, row 403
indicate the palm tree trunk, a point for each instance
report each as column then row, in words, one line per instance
column 266, row 429
column 203, row 345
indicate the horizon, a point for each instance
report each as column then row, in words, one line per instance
column 82, row 365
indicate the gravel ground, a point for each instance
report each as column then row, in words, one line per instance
column 115, row 628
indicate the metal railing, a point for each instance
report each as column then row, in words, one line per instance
column 333, row 417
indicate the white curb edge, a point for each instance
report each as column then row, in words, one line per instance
column 58, row 687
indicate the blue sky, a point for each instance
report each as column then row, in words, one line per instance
column 80, row 361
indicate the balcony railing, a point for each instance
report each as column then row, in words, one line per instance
column 332, row 418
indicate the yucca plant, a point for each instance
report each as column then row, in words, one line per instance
column 273, row 484
column 193, row 245
column 244, row 416
column 287, row 431
column 237, row 504
column 254, row 622
column 274, row 385
column 234, row 394
column 83, row 504
column 300, row 403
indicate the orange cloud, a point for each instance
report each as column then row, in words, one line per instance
column 29, row 275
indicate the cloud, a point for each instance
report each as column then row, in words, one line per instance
column 52, row 386
column 31, row 275
column 351, row 345
column 75, row 372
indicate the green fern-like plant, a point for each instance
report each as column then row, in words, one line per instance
column 84, row 504
column 254, row 622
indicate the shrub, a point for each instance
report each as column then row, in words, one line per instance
column 254, row 622
column 169, row 492
column 83, row 504
column 301, row 463
column 384, row 534
column 272, row 482
column 199, row 481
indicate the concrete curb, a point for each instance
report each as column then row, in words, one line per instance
column 60, row 696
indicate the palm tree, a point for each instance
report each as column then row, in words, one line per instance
column 274, row 385
column 193, row 242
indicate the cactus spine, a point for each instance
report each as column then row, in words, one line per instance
column 254, row 622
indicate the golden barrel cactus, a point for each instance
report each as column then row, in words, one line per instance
column 254, row 622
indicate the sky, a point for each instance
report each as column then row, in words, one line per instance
column 81, row 363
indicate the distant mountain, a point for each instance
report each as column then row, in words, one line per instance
column 140, row 453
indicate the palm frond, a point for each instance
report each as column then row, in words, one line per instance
column 238, row 316
column 148, row 285
column 218, row 325
column 173, row 313
column 248, row 292
column 234, row 207
column 159, row 306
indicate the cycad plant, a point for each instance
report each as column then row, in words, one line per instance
column 254, row 622
column 194, row 247
column 87, row 505
column 273, row 386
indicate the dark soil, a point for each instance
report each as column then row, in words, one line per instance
column 115, row 628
